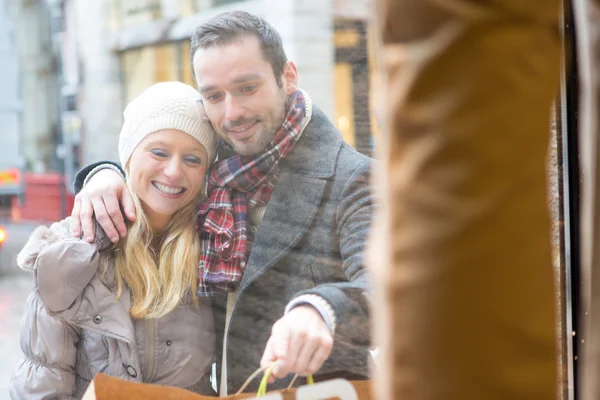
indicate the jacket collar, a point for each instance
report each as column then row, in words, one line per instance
column 320, row 141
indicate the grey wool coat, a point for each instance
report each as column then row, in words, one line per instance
column 311, row 241
column 74, row 326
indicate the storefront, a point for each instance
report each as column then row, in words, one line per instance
column 349, row 73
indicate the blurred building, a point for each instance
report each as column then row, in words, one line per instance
column 35, row 82
column 11, row 108
column 111, row 50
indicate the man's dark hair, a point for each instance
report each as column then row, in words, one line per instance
column 229, row 26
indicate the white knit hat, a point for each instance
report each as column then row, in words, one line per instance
column 165, row 105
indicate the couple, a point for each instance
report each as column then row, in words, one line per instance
column 281, row 233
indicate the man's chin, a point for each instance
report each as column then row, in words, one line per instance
column 247, row 149
column 251, row 146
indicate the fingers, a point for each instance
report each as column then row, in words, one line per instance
column 75, row 222
column 322, row 353
column 85, row 218
column 268, row 358
column 104, row 219
column 309, row 344
column 280, row 334
column 300, row 343
column 116, row 217
column 128, row 205
column 100, row 197
column 311, row 347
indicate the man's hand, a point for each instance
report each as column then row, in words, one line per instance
column 300, row 342
column 101, row 197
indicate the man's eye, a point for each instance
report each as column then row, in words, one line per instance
column 248, row 88
column 212, row 97
column 158, row 153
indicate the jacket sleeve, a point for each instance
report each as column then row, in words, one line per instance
column 349, row 299
column 83, row 173
column 50, row 349
column 49, row 339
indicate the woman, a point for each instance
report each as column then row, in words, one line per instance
column 128, row 310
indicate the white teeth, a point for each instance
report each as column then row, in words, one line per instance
column 240, row 130
column 166, row 189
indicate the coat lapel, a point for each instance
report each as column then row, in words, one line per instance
column 297, row 196
column 288, row 215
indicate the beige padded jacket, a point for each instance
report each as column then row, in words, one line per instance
column 74, row 326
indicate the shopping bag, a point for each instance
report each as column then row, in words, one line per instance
column 341, row 389
column 104, row 387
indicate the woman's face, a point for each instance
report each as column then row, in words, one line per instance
column 167, row 171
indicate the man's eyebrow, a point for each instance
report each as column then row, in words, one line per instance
column 253, row 76
column 206, row 88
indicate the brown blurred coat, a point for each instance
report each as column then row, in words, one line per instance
column 460, row 257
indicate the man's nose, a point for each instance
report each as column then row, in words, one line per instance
column 233, row 109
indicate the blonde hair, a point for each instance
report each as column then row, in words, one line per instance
column 157, row 288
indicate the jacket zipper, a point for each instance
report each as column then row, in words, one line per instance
column 149, row 351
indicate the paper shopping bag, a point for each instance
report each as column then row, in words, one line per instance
column 104, row 387
column 340, row 389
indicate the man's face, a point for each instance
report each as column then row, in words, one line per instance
column 241, row 96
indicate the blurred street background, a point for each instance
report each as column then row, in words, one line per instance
column 15, row 285
column 69, row 67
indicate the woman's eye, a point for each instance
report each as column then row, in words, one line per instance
column 193, row 160
column 158, row 152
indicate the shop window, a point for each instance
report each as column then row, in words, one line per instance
column 344, row 108
column 147, row 65
column 188, row 7
column 352, row 84
column 133, row 12
column 186, row 65
column 223, row 2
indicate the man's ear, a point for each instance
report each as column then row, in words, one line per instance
column 290, row 77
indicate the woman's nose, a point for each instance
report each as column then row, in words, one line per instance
column 173, row 169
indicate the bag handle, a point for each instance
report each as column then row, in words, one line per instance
column 262, row 388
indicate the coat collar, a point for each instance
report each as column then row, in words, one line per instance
column 315, row 154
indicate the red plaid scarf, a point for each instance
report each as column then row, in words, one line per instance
column 235, row 186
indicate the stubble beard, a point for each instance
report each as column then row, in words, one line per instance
column 265, row 135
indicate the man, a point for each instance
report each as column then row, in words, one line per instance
column 302, row 205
